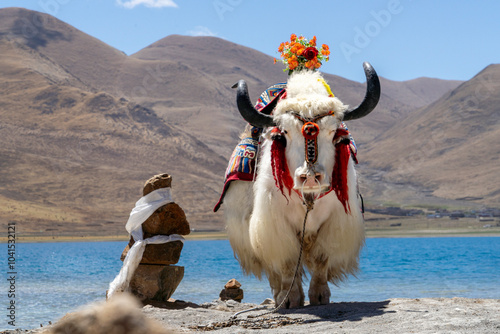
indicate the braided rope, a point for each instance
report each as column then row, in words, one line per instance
column 309, row 206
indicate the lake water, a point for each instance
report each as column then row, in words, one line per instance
column 54, row 278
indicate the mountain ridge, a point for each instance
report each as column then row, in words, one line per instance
column 93, row 128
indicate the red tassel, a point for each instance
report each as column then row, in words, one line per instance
column 340, row 133
column 339, row 175
column 279, row 166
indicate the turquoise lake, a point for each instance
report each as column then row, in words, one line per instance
column 55, row 278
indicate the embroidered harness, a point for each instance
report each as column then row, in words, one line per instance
column 310, row 131
column 242, row 164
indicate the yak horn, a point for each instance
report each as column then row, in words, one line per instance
column 247, row 111
column 371, row 97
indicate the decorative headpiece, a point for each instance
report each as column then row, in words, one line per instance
column 300, row 53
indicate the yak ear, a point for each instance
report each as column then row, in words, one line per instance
column 372, row 95
column 246, row 109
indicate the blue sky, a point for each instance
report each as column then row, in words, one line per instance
column 403, row 39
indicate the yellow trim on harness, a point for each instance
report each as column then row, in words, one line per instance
column 326, row 87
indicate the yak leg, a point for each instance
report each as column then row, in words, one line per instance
column 238, row 206
column 296, row 296
column 275, row 283
column 319, row 292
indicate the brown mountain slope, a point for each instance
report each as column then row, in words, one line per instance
column 185, row 80
column 418, row 92
column 217, row 57
column 83, row 125
column 85, row 57
column 450, row 147
column 71, row 157
column 227, row 62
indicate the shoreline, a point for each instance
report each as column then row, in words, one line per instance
column 221, row 235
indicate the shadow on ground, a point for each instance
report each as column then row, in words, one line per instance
column 337, row 312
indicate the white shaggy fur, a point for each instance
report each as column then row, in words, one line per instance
column 264, row 227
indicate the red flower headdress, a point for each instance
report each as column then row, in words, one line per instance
column 300, row 53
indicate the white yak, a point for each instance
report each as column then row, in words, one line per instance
column 304, row 159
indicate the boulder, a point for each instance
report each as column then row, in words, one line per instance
column 166, row 220
column 155, row 282
column 231, row 294
column 233, row 284
column 157, row 182
column 154, row 278
column 232, row 291
column 162, row 254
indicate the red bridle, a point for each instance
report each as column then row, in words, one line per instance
column 310, row 131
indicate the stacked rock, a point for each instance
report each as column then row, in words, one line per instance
column 156, row 278
column 232, row 290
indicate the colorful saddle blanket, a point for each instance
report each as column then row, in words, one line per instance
column 242, row 164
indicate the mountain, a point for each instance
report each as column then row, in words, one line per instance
column 449, row 148
column 418, row 92
column 75, row 157
column 227, row 62
column 83, row 125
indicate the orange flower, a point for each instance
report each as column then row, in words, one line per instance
column 313, row 41
column 293, row 62
column 275, row 60
column 312, row 64
column 297, row 53
column 297, row 49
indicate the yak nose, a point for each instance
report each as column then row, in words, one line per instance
column 311, row 178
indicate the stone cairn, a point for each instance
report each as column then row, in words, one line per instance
column 156, row 277
column 232, row 290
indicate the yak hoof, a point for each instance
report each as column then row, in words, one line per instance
column 319, row 295
column 295, row 299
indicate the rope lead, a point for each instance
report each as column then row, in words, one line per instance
column 309, row 206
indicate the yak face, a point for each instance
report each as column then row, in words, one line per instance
column 307, row 121
column 305, row 134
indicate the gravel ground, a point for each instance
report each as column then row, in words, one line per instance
column 425, row 315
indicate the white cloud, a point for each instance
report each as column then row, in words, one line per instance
column 201, row 31
column 148, row 3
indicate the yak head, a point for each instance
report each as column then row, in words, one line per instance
column 308, row 144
